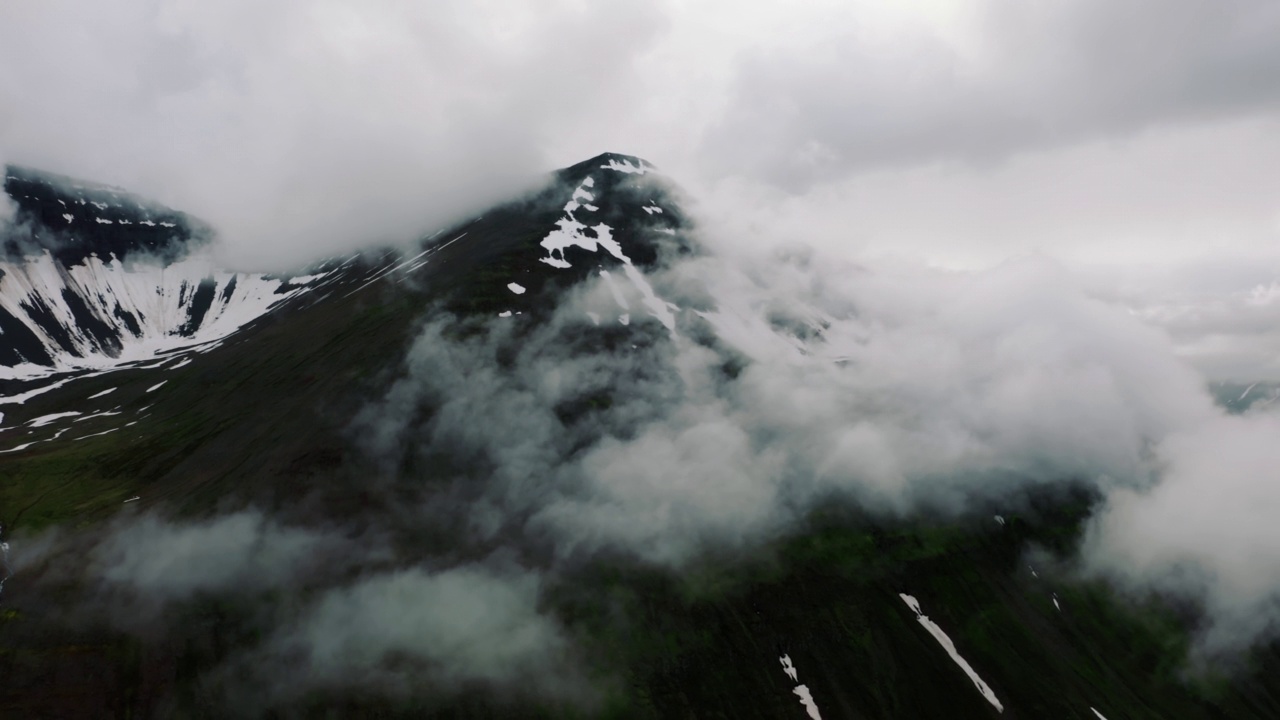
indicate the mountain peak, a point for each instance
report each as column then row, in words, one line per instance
column 630, row 164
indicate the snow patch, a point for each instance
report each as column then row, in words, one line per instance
column 625, row 166
column 156, row 386
column 950, row 647
column 23, row 397
column 69, row 217
column 104, row 432
column 789, row 668
column 806, row 699
column 46, row 419
column 801, row 691
column 1100, row 715
column 516, row 288
column 98, row 415
column 505, row 313
column 570, row 232
column 108, row 391
column 580, row 198
column 157, row 299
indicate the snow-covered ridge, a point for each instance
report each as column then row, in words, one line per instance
column 103, row 313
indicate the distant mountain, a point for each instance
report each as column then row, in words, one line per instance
column 91, row 276
column 330, row 416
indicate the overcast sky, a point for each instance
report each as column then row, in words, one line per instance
column 963, row 132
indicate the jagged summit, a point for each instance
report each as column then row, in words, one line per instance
column 73, row 220
column 627, row 164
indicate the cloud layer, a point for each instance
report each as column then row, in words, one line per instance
column 894, row 387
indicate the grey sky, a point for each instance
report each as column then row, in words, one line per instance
column 962, row 132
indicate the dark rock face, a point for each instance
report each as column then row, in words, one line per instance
column 74, row 220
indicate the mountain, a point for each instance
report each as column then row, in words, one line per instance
column 373, row 489
column 92, row 276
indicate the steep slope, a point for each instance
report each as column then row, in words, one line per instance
column 847, row 615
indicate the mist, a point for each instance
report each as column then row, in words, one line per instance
column 335, row 607
column 891, row 386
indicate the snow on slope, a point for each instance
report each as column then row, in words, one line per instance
column 571, row 232
column 103, row 313
column 800, row 691
column 950, row 647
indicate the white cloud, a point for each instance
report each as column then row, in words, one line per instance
column 1206, row 529
column 464, row 624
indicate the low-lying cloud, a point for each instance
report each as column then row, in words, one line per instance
column 174, row 561
column 792, row 381
column 334, row 610
column 454, row 627
column 1205, row 530
column 898, row 388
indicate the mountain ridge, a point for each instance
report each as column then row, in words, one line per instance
column 349, row 415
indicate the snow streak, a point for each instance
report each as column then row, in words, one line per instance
column 950, row 647
column 150, row 308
